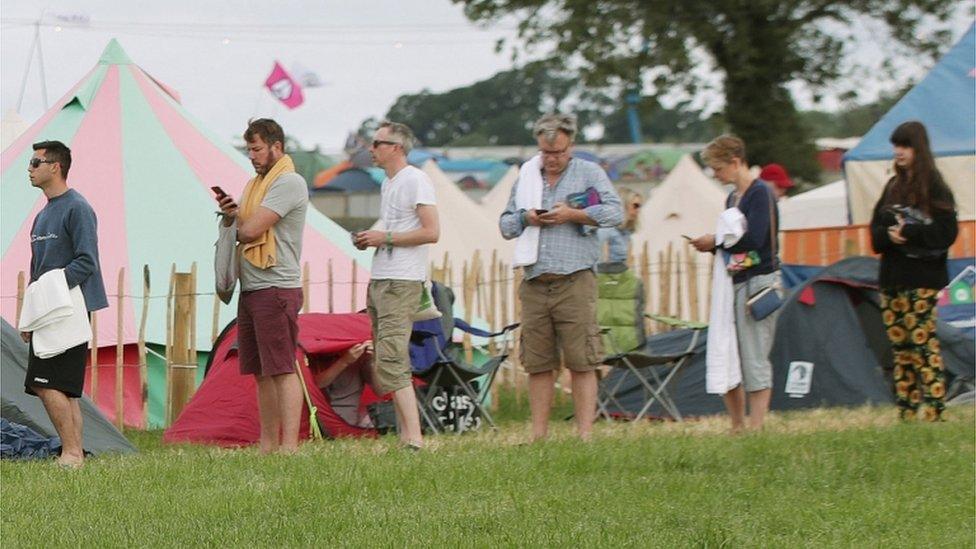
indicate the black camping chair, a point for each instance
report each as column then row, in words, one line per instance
column 653, row 371
column 440, row 362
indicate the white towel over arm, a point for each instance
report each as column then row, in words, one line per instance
column 56, row 316
column 723, row 370
column 528, row 196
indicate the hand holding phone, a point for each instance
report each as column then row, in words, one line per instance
column 219, row 192
column 540, row 212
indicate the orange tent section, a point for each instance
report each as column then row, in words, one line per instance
column 827, row 245
column 323, row 177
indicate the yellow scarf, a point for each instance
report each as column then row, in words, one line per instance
column 262, row 253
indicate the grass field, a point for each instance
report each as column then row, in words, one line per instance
column 826, row 478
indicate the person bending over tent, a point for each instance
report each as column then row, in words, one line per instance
column 343, row 381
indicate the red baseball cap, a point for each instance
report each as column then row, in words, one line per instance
column 776, row 174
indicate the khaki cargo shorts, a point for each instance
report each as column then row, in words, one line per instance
column 391, row 305
column 559, row 320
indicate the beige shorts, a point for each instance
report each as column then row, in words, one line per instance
column 559, row 323
column 391, row 305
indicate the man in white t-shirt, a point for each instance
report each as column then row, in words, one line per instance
column 409, row 218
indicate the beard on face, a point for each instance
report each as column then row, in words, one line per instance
column 262, row 164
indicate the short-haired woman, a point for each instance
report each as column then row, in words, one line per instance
column 913, row 225
column 751, row 261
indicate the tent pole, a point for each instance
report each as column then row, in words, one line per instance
column 30, row 59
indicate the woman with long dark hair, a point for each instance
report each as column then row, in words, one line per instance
column 913, row 225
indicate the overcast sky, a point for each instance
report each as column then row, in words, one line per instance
column 368, row 52
column 218, row 54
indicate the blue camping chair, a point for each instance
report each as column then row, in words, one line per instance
column 454, row 397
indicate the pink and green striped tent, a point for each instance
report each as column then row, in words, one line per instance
column 146, row 165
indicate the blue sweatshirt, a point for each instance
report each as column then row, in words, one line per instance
column 754, row 205
column 64, row 236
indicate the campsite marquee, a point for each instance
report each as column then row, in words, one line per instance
column 687, row 202
column 146, row 165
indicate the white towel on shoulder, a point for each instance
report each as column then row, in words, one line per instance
column 528, row 196
column 723, row 370
column 56, row 316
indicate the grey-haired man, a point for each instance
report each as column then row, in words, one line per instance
column 558, row 293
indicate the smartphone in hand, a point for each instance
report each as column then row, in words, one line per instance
column 219, row 192
column 540, row 212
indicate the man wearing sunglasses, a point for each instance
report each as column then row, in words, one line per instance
column 408, row 214
column 63, row 236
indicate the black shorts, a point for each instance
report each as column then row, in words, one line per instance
column 64, row 372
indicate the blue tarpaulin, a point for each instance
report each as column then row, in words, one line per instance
column 945, row 101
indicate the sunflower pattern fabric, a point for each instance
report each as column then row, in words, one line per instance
column 909, row 319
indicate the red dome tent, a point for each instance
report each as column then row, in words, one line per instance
column 224, row 410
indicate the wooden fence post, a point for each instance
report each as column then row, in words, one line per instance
column 143, row 365
column 169, row 344
column 679, row 305
column 329, row 288
column 119, row 352
column 182, row 357
column 503, row 314
column 517, row 314
column 468, row 293
column 21, row 288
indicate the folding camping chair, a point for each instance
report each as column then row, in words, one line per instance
column 441, row 364
column 653, row 371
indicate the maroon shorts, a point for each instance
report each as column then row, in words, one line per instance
column 267, row 331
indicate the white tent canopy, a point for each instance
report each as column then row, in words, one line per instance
column 497, row 198
column 687, row 202
column 11, row 126
column 825, row 206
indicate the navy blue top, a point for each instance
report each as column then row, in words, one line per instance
column 64, row 236
column 754, row 205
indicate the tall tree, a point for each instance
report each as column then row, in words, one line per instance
column 680, row 124
column 759, row 46
column 496, row 111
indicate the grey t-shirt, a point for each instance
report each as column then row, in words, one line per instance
column 287, row 197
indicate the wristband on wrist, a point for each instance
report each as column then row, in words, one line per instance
column 524, row 217
column 389, row 239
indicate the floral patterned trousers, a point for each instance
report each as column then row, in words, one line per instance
column 909, row 319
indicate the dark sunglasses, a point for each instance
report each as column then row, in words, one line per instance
column 378, row 142
column 36, row 162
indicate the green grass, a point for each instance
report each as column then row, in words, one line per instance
column 827, row 478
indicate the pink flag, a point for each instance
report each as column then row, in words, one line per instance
column 284, row 87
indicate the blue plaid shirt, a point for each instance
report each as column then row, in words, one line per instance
column 567, row 248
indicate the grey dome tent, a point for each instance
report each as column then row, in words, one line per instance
column 99, row 435
column 833, row 321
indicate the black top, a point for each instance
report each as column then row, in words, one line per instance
column 898, row 270
column 755, row 206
